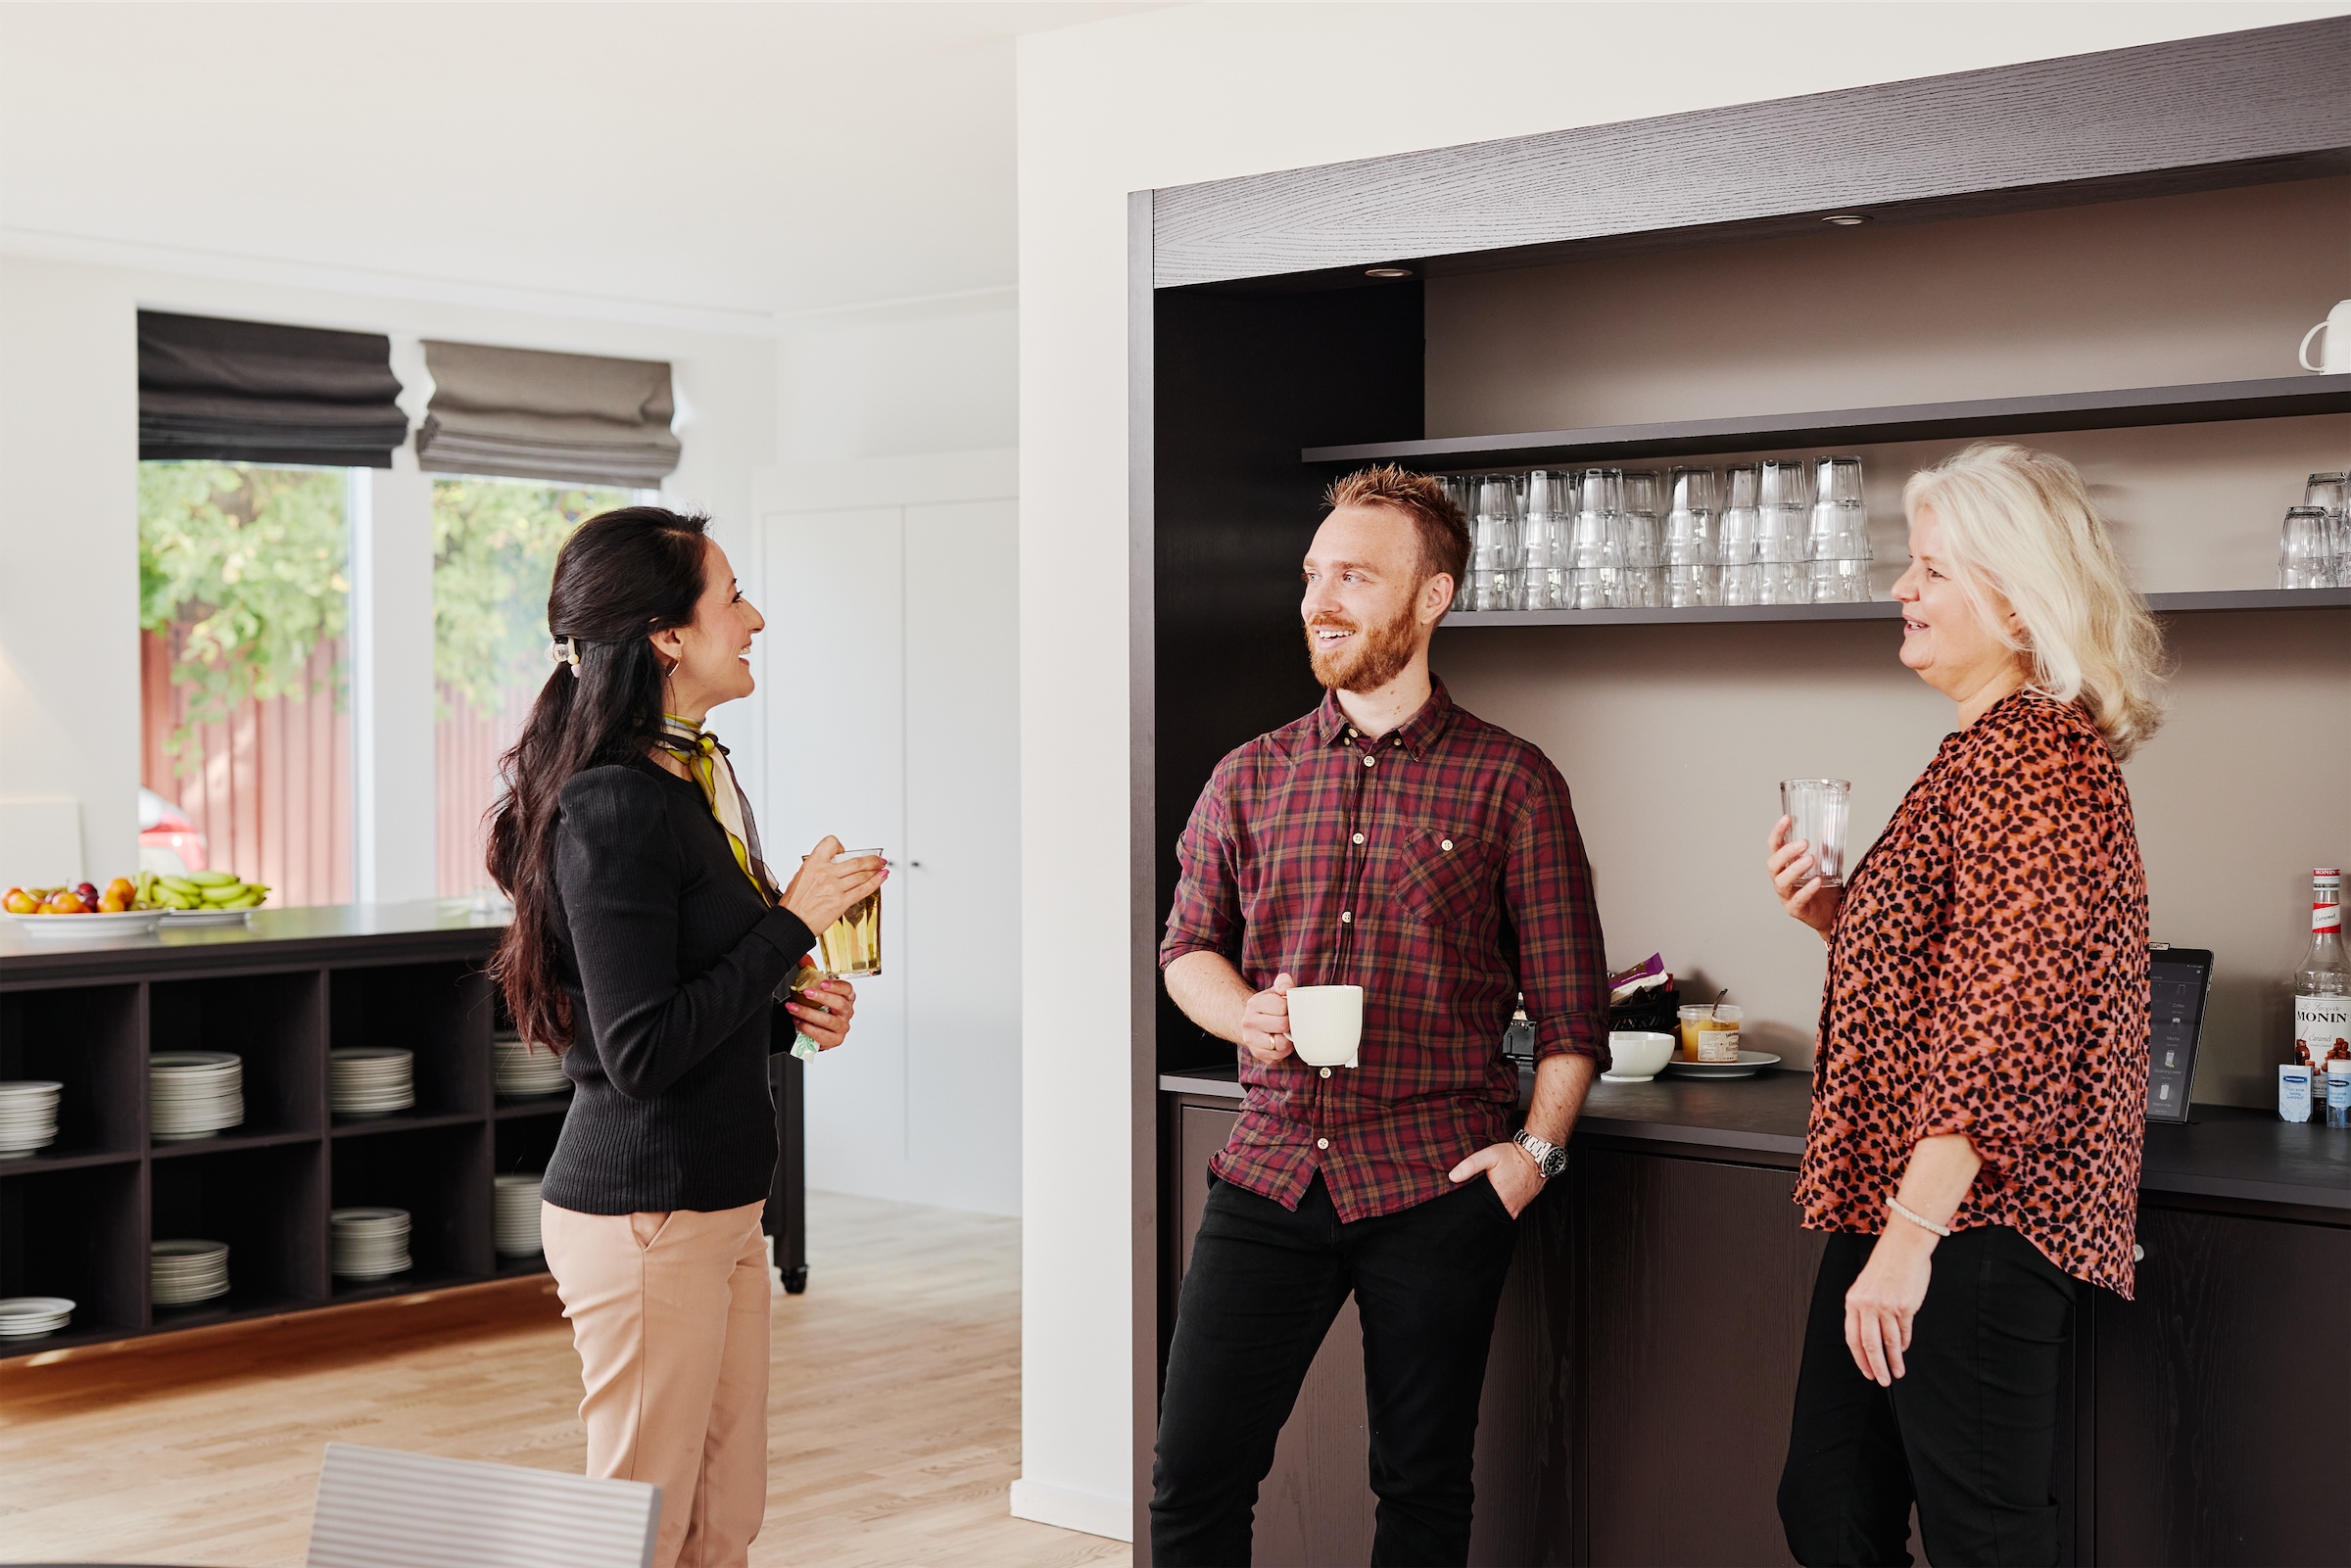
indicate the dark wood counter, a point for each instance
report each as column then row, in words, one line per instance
column 1654, row 1317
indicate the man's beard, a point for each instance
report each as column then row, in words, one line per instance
column 1376, row 656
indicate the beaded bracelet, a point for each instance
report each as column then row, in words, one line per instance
column 1920, row 1220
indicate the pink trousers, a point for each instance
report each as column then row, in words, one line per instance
column 669, row 1315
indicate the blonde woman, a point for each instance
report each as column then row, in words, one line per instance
column 1975, row 1133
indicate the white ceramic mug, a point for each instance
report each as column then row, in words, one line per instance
column 2336, row 358
column 1327, row 1024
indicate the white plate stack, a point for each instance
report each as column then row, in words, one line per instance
column 29, row 1121
column 28, row 1317
column 517, row 1219
column 524, row 1069
column 369, row 1243
column 370, row 1082
column 183, row 1272
column 194, row 1094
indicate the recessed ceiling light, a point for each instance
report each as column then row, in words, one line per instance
column 1847, row 219
column 1387, row 271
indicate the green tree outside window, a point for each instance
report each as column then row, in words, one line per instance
column 493, row 559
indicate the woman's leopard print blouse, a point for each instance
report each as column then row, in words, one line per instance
column 1988, row 976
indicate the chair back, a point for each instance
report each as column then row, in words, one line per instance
column 381, row 1508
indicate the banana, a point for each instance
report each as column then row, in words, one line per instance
column 250, row 898
column 219, row 895
column 212, row 878
column 180, row 884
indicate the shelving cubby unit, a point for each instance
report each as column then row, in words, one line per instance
column 77, row 1218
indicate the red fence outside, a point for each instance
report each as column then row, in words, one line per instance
column 270, row 788
column 467, row 745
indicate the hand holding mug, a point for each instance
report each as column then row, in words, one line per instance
column 1266, row 1023
column 1796, row 878
column 823, row 890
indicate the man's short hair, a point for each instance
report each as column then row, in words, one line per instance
column 1444, row 532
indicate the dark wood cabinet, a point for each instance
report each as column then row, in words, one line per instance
column 2222, row 1395
column 1697, row 1278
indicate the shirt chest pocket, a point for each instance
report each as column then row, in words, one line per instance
column 1446, row 878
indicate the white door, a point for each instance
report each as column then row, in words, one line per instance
column 897, row 630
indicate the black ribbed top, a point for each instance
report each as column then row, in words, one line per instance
column 672, row 961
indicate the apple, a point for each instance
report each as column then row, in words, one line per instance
column 122, row 887
column 110, row 903
column 65, row 902
column 17, row 901
column 85, row 892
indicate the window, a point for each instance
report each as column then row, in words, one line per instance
column 494, row 556
column 246, row 736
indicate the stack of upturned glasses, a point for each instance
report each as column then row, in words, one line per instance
column 1591, row 539
column 2314, row 550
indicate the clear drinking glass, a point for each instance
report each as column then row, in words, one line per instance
column 2306, row 549
column 1837, row 544
column 1693, row 576
column 1641, row 583
column 1595, row 543
column 1494, row 538
column 2332, row 494
column 1783, row 504
column 1741, row 576
column 1540, row 577
column 1820, row 809
column 1462, row 491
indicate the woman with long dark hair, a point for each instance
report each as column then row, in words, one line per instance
column 649, row 946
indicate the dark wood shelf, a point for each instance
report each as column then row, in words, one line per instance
column 228, row 1141
column 66, row 1160
column 401, row 1121
column 2207, row 403
column 2254, row 599
column 520, row 1267
column 405, row 1284
column 237, row 1305
column 538, row 1105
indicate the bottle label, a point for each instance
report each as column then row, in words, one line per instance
column 2325, row 918
column 2321, row 1030
column 2294, row 1093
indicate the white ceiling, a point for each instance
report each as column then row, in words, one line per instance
column 735, row 162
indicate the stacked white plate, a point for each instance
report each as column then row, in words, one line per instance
column 524, row 1069
column 370, row 1082
column 369, row 1243
column 185, row 1271
column 517, row 1219
column 194, row 1094
column 28, row 1317
column 29, row 1119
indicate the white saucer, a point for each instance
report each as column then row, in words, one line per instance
column 1626, row 1077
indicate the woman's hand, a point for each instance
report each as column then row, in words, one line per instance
column 1802, row 893
column 821, row 891
column 823, row 1012
column 1885, row 1298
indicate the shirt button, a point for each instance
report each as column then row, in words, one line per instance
column 1350, row 735
column 1371, row 762
column 1327, row 1073
column 1359, row 838
column 1446, row 844
column 1346, row 916
column 1321, row 1143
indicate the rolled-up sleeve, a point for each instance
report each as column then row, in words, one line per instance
column 2029, row 855
column 1562, row 962
column 1206, row 917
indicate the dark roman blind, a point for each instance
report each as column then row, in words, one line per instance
column 258, row 391
column 536, row 415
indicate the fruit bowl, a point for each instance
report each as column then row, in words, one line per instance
column 88, row 927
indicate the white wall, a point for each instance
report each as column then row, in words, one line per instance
column 69, row 521
column 1208, row 92
column 917, row 377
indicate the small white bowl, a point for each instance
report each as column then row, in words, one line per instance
column 1635, row 1056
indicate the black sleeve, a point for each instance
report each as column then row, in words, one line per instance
column 619, row 871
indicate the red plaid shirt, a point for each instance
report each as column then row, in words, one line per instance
column 1438, row 868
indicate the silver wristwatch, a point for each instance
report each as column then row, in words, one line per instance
column 1549, row 1157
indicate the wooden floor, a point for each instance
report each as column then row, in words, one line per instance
column 893, row 1424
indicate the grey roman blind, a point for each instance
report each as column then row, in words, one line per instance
column 258, row 392
column 535, row 415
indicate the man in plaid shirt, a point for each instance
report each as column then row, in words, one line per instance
column 1390, row 840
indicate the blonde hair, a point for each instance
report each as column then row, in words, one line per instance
column 2019, row 523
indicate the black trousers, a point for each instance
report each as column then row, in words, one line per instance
column 1969, row 1433
column 1263, row 1288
